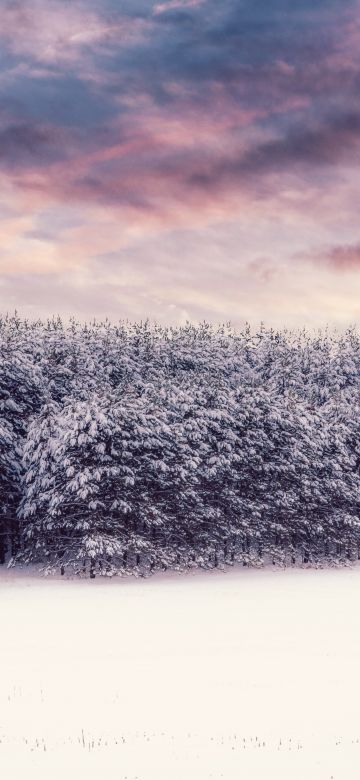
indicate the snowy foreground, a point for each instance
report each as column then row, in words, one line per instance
column 248, row 674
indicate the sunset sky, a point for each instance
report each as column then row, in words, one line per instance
column 188, row 159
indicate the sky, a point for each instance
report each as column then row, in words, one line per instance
column 181, row 160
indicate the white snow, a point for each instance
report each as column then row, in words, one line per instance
column 243, row 675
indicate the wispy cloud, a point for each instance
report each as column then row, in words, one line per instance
column 160, row 8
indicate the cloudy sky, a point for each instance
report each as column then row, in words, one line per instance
column 185, row 159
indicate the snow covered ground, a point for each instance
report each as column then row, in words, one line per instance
column 248, row 674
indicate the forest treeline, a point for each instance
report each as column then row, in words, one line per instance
column 133, row 447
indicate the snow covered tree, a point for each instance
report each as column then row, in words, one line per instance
column 67, row 512
column 20, row 396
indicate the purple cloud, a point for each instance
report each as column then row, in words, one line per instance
column 154, row 117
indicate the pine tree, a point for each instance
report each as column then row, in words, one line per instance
column 20, row 394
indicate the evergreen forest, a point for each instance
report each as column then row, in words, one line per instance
column 134, row 447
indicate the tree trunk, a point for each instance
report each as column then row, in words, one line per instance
column 3, row 549
column 15, row 541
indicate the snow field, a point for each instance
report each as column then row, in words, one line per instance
column 248, row 674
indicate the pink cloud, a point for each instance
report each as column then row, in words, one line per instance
column 340, row 258
column 43, row 31
column 263, row 269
